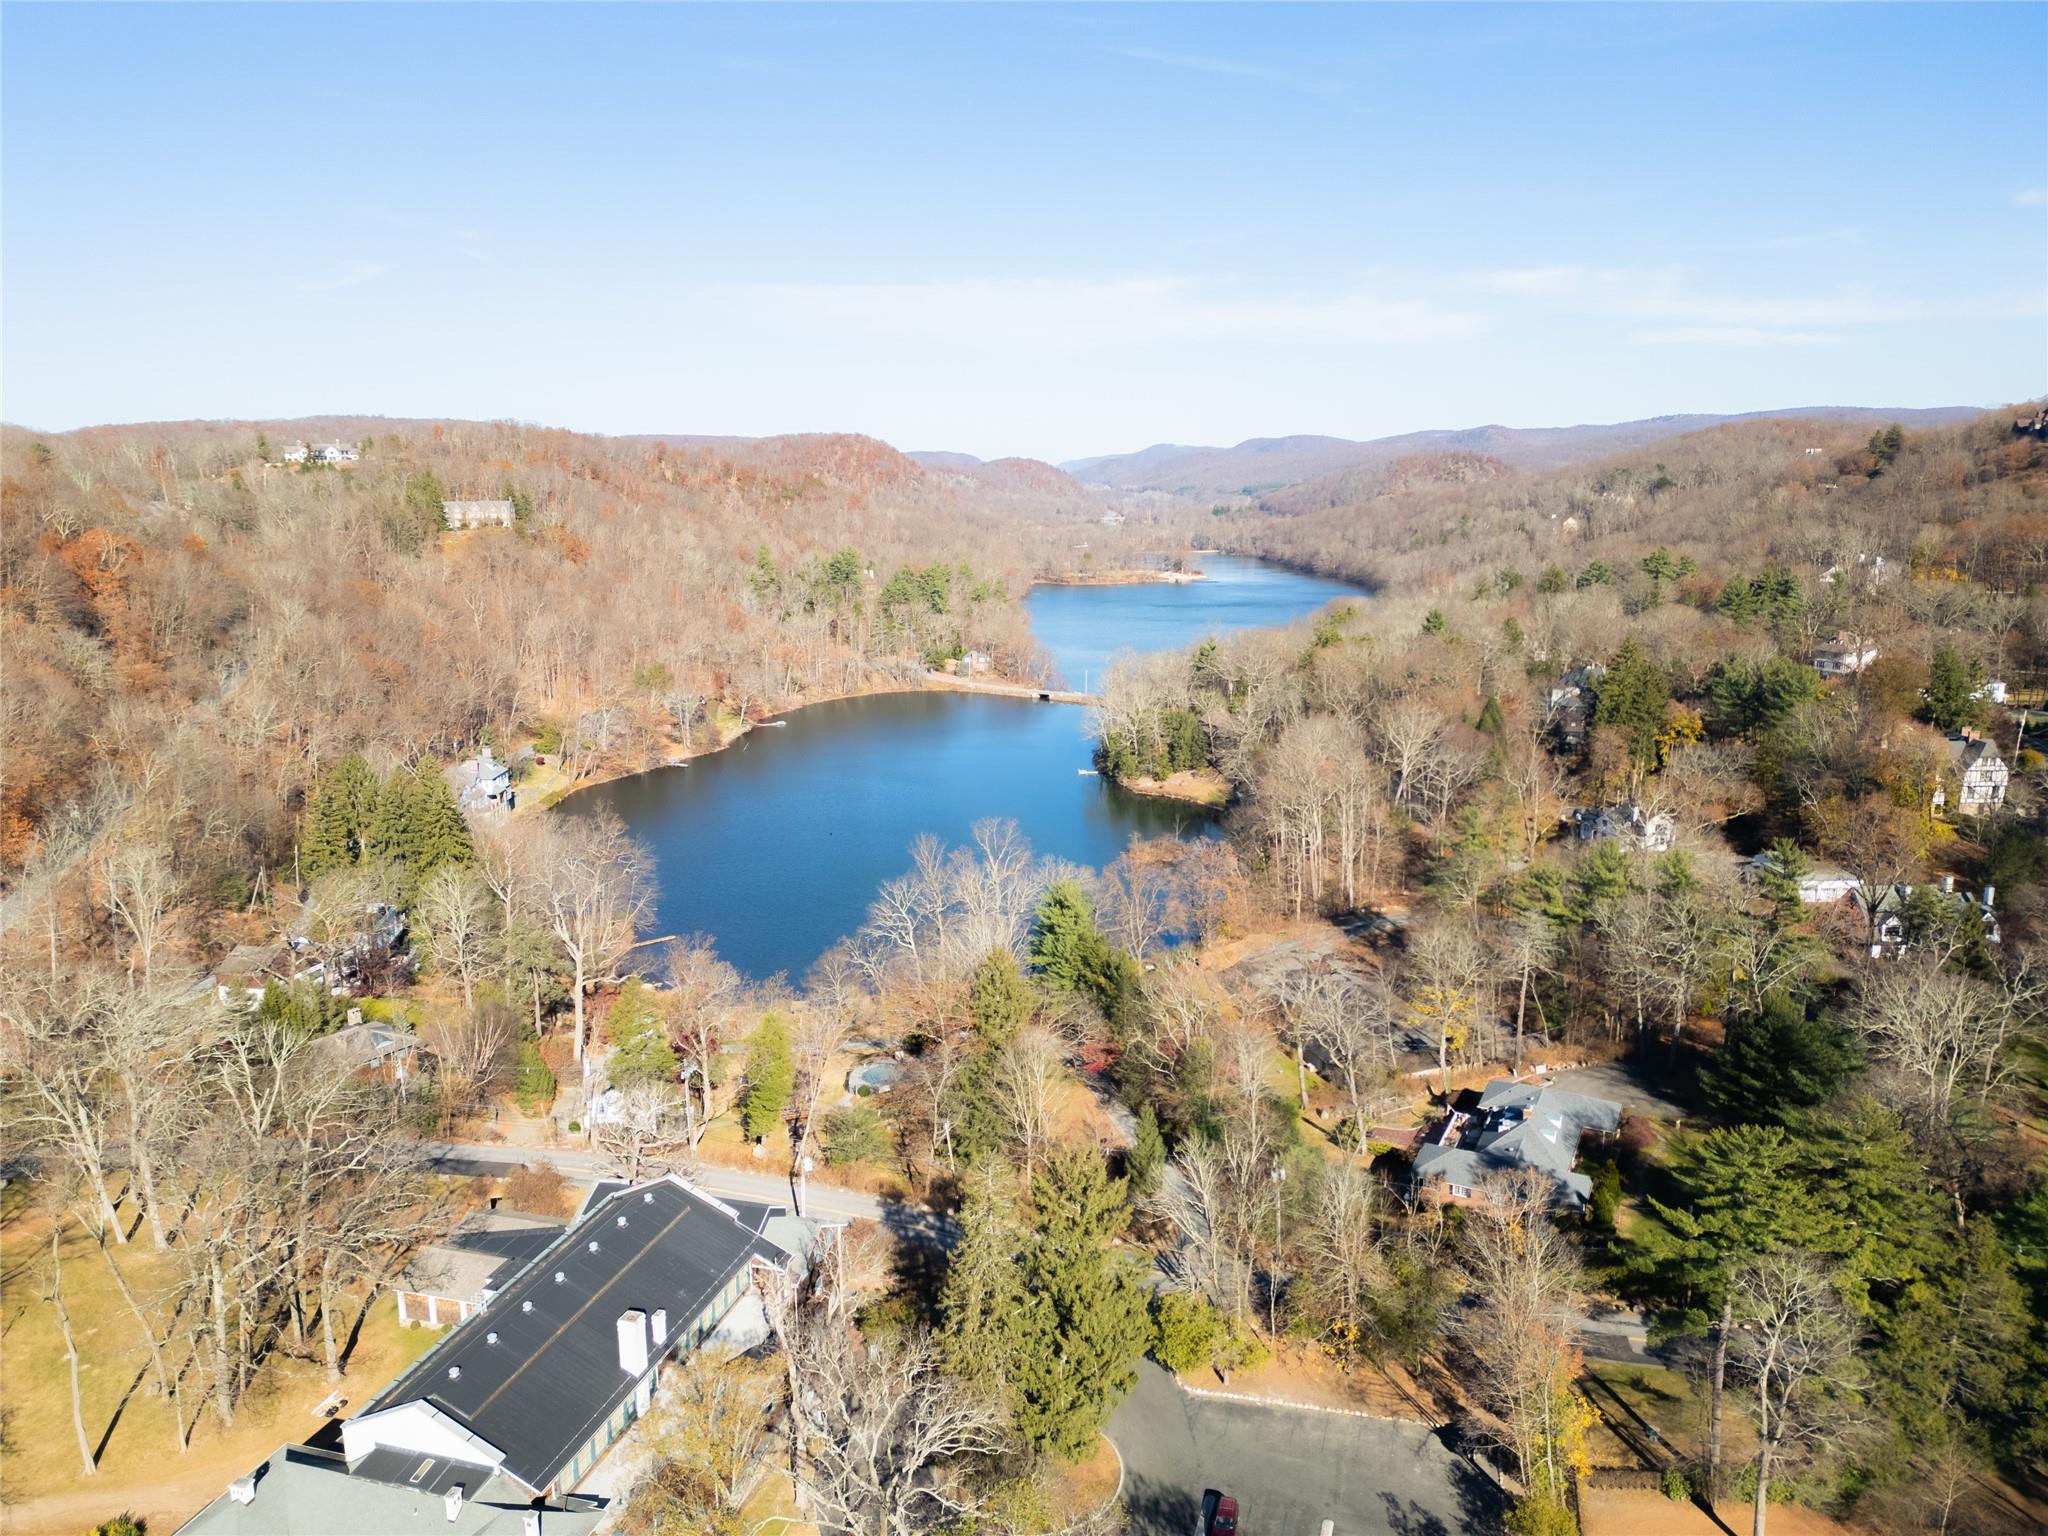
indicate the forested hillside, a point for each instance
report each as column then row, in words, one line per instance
column 1263, row 464
column 1669, row 759
column 1810, row 496
column 184, row 611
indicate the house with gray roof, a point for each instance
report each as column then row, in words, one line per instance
column 493, row 1429
column 305, row 1491
column 448, row 1280
column 1513, row 1125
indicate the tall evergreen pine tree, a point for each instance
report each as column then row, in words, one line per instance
column 1083, row 1324
column 337, row 819
column 983, row 1290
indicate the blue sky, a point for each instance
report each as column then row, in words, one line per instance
column 1053, row 230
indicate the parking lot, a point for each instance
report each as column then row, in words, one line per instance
column 1289, row 1469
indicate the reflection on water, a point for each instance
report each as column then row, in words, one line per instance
column 775, row 846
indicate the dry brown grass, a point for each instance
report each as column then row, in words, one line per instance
column 140, row 1468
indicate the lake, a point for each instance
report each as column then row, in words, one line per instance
column 775, row 846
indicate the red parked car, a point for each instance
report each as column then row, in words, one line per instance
column 1224, row 1521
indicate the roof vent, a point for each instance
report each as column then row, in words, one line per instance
column 243, row 1489
column 455, row 1373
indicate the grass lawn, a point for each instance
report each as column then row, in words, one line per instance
column 130, row 1425
column 1088, row 1484
column 772, row 1509
column 1635, row 1400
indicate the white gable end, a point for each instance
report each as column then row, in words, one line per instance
column 419, row 1427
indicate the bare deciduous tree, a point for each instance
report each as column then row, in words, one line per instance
column 1796, row 1345
column 887, row 1442
column 454, row 909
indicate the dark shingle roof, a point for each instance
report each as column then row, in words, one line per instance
column 552, row 1375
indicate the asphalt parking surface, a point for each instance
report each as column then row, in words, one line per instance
column 1289, row 1469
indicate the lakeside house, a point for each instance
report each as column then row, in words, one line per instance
column 482, row 783
column 1844, row 656
column 1981, row 775
column 494, row 1428
column 1821, row 885
column 476, row 514
column 369, row 958
column 1513, row 1125
column 1635, row 829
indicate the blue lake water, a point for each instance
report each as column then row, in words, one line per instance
column 775, row 846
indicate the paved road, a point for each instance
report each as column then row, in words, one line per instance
column 1289, row 1469
column 822, row 1200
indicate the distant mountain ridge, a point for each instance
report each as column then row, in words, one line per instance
column 1268, row 463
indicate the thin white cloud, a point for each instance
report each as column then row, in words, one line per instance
column 1731, row 336
column 1068, row 315
column 1670, row 295
column 351, row 276
column 1239, row 68
column 2033, row 197
column 1848, row 234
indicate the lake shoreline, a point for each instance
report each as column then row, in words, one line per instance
column 553, row 798
column 1204, row 787
column 1121, row 579
column 776, row 854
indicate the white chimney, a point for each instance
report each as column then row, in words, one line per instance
column 1989, row 892
column 243, row 1489
column 633, row 1342
column 1948, row 882
column 451, row 1501
column 661, row 1314
column 529, row 1522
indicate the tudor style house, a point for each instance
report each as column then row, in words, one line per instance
column 1979, row 773
column 1513, row 1125
column 559, row 1354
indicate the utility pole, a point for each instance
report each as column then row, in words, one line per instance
column 1279, row 1181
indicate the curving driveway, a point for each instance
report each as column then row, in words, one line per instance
column 1289, row 1469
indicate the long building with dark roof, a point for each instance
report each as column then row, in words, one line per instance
column 513, row 1408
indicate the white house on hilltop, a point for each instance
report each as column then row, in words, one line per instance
column 477, row 514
